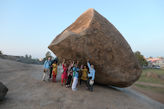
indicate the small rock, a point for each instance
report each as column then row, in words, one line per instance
column 3, row 91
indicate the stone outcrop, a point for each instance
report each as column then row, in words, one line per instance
column 93, row 36
column 3, row 91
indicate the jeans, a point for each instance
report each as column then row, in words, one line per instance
column 50, row 72
column 90, row 87
column 83, row 81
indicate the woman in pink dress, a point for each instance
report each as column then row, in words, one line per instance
column 64, row 74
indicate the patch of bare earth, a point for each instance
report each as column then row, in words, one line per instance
column 27, row 91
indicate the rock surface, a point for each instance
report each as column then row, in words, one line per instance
column 3, row 91
column 93, row 36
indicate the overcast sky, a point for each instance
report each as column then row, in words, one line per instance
column 29, row 26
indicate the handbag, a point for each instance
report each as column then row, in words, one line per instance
column 91, row 82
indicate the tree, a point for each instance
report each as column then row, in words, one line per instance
column 142, row 61
column 30, row 57
column 1, row 53
column 48, row 54
column 26, row 56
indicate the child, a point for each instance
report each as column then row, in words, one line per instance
column 70, row 73
column 64, row 74
column 75, row 79
column 54, row 71
column 84, row 75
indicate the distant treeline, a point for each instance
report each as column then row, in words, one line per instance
column 23, row 59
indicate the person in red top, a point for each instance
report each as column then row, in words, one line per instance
column 64, row 74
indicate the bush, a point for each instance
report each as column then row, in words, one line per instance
column 1, row 53
column 142, row 61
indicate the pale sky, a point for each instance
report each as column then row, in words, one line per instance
column 29, row 26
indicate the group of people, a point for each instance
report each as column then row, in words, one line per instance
column 72, row 73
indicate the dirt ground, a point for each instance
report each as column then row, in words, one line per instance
column 27, row 91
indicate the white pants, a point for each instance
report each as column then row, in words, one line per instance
column 45, row 74
column 59, row 72
column 74, row 85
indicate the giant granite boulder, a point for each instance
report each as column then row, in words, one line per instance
column 93, row 36
column 3, row 91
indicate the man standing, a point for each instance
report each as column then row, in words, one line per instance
column 46, row 68
column 91, row 76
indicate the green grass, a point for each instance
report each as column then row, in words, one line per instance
column 153, row 80
column 143, row 77
column 150, row 80
column 157, row 71
column 154, row 89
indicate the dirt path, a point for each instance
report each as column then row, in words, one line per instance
column 27, row 91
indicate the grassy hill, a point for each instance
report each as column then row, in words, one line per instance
column 151, row 83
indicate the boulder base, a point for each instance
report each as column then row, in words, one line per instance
column 93, row 36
